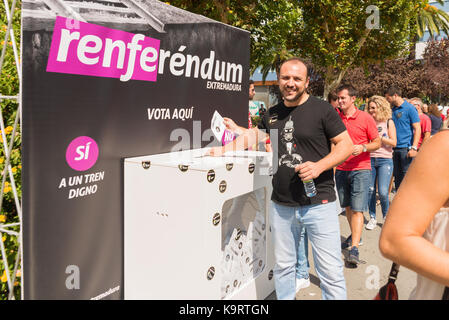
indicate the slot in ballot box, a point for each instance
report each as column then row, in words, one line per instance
column 196, row 227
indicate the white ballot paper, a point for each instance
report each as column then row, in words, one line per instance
column 217, row 125
column 219, row 129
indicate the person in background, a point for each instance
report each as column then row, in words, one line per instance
column 252, row 93
column 416, row 231
column 238, row 130
column 435, row 118
column 302, row 265
column 425, row 108
column 332, row 98
column 354, row 175
column 426, row 124
column 408, row 132
column 382, row 158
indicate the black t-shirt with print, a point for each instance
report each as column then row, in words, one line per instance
column 304, row 134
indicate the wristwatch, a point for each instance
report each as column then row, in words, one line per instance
column 364, row 147
column 414, row 148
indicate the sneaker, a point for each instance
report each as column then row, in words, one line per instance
column 353, row 255
column 302, row 283
column 348, row 242
column 372, row 223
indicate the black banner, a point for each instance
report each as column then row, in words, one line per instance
column 103, row 81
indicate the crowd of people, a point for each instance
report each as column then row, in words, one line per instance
column 361, row 153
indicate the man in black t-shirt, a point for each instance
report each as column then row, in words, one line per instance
column 305, row 127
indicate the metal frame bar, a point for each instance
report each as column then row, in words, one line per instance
column 61, row 8
column 8, row 148
column 151, row 19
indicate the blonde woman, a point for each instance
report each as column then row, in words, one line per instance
column 382, row 158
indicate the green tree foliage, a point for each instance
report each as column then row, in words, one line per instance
column 337, row 35
column 274, row 28
column 434, row 19
column 334, row 35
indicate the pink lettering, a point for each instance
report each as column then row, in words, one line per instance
column 228, row 136
column 94, row 50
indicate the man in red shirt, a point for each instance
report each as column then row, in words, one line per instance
column 353, row 176
column 426, row 124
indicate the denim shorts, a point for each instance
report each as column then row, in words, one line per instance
column 353, row 188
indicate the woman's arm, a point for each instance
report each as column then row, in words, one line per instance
column 391, row 140
column 424, row 190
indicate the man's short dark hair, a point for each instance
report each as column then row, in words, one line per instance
column 294, row 59
column 332, row 96
column 391, row 91
column 251, row 82
column 351, row 90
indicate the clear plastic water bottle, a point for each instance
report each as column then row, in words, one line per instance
column 309, row 187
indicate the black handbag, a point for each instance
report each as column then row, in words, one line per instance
column 389, row 291
column 446, row 294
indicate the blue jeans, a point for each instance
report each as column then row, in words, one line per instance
column 401, row 163
column 323, row 231
column 352, row 188
column 302, row 266
column 381, row 170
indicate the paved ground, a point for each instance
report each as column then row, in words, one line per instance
column 361, row 282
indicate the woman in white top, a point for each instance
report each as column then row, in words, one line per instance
column 382, row 158
column 416, row 231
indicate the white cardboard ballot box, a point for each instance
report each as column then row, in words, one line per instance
column 196, row 227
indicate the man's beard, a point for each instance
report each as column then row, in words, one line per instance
column 295, row 98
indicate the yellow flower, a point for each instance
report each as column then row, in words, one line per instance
column 7, row 189
column 8, row 129
column 6, row 183
column 4, row 278
column 2, row 218
column 4, row 238
column 16, row 283
column 14, row 169
column 19, row 166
